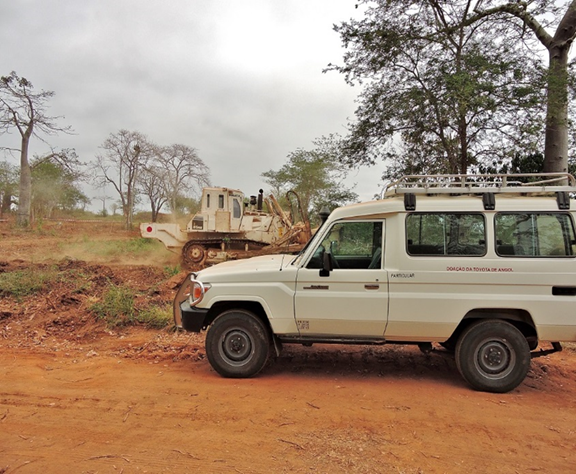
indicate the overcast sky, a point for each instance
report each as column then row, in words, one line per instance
column 239, row 80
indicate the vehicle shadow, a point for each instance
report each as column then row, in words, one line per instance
column 389, row 362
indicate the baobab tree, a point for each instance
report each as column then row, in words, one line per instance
column 25, row 110
column 532, row 16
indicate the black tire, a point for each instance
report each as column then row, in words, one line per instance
column 449, row 345
column 237, row 344
column 493, row 356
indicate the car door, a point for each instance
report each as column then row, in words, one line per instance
column 350, row 300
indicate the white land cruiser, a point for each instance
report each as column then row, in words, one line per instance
column 483, row 265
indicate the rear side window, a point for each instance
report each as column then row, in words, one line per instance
column 538, row 234
column 448, row 234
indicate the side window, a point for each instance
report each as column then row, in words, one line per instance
column 536, row 234
column 436, row 234
column 236, row 210
column 208, row 201
column 352, row 245
column 220, row 201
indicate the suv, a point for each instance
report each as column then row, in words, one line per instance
column 483, row 265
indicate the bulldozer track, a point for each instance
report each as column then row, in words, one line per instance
column 195, row 252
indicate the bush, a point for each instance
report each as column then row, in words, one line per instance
column 116, row 306
column 171, row 271
column 155, row 317
column 25, row 282
column 30, row 281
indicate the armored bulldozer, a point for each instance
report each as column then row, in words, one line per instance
column 229, row 226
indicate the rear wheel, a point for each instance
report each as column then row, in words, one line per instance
column 237, row 344
column 493, row 356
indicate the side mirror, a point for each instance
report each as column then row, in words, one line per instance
column 327, row 264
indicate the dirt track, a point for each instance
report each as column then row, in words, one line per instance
column 78, row 397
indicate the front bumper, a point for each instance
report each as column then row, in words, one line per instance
column 188, row 317
column 192, row 318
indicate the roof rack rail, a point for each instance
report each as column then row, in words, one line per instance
column 521, row 183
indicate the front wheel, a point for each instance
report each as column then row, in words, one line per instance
column 493, row 356
column 237, row 344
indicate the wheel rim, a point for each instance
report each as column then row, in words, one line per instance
column 495, row 358
column 236, row 347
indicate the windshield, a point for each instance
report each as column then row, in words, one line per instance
column 296, row 261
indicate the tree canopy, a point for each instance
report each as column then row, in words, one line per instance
column 440, row 93
column 315, row 175
column 54, row 186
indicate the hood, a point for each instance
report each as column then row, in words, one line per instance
column 249, row 266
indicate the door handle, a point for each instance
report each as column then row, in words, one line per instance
column 372, row 287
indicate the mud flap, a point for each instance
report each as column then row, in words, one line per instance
column 277, row 345
column 556, row 347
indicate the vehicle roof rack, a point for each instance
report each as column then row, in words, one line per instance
column 521, row 183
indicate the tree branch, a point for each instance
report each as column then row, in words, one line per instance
column 518, row 10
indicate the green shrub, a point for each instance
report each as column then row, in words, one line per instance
column 138, row 245
column 170, row 271
column 116, row 306
column 155, row 317
column 22, row 283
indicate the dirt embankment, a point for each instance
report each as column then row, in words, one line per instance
column 79, row 396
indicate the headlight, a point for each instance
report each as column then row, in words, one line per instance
column 199, row 289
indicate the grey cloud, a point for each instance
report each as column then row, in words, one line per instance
column 240, row 81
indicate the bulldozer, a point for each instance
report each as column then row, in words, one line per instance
column 230, row 226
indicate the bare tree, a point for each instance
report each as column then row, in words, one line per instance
column 124, row 156
column 182, row 171
column 151, row 183
column 25, row 110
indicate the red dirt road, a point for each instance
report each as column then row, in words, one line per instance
column 103, row 408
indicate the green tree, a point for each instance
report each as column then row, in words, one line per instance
column 26, row 111
column 54, row 186
column 315, row 175
column 186, row 205
column 437, row 98
column 8, row 186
